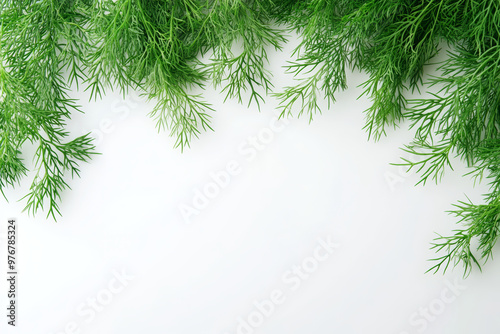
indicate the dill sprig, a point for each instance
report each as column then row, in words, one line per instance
column 157, row 47
column 151, row 46
column 37, row 43
column 392, row 41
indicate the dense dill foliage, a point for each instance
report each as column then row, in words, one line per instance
column 148, row 45
column 39, row 40
column 156, row 47
column 392, row 41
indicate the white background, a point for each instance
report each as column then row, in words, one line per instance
column 308, row 182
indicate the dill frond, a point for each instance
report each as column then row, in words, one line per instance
column 156, row 47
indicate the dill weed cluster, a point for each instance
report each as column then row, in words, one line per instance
column 155, row 46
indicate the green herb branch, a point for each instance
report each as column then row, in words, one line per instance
column 159, row 48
